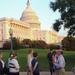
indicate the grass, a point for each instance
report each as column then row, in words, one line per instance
column 42, row 57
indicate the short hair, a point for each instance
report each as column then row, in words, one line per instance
column 35, row 54
column 13, row 54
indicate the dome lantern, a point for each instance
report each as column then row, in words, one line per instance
column 28, row 3
column 30, row 16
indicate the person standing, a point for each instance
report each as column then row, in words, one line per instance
column 29, row 59
column 35, row 65
column 6, row 67
column 1, row 64
column 50, row 61
column 13, row 65
column 60, row 62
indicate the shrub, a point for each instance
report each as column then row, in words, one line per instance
column 26, row 43
column 15, row 42
column 6, row 44
column 39, row 44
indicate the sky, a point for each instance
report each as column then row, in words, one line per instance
column 14, row 9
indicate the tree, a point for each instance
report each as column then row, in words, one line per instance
column 68, row 43
column 67, row 19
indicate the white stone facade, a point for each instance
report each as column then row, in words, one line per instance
column 28, row 27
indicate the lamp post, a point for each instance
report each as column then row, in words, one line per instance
column 11, row 38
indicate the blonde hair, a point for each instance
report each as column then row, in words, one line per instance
column 1, row 54
column 30, row 51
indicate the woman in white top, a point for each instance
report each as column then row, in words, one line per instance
column 13, row 65
column 29, row 60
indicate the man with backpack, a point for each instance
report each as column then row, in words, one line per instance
column 35, row 65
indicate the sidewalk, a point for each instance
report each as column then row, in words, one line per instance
column 47, row 73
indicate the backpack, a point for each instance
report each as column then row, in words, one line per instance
column 6, row 68
column 1, row 68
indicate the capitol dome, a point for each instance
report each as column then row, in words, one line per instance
column 30, row 17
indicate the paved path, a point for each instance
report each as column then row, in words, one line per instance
column 47, row 73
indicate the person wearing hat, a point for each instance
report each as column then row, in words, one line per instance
column 13, row 65
column 1, row 64
column 60, row 62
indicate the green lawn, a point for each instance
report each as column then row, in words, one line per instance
column 42, row 56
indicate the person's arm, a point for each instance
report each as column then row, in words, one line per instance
column 2, row 63
column 53, row 59
column 11, row 64
column 32, row 67
column 16, row 64
column 35, row 66
column 60, row 63
column 57, row 63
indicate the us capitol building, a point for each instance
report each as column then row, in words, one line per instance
column 28, row 27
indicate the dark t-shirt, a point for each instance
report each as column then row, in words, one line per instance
column 34, row 61
column 50, row 61
column 49, row 56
